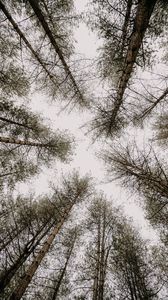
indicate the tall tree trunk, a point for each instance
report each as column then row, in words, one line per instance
column 141, row 22
column 22, row 286
column 97, row 271
column 35, row 6
column 10, row 140
column 59, row 282
column 102, row 258
column 31, row 245
column 22, row 36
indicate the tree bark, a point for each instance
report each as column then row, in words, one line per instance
column 10, row 140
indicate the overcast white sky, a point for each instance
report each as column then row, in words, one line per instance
column 84, row 158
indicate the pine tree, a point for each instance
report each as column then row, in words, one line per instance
column 49, row 63
column 145, row 173
column 74, row 190
column 60, row 282
column 130, row 264
column 29, row 225
column 125, row 28
column 93, row 281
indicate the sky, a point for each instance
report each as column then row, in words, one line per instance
column 84, row 158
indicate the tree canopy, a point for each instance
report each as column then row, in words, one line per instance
column 65, row 230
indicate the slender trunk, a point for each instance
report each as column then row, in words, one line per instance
column 20, row 289
column 102, row 259
column 141, row 22
column 15, row 123
column 35, row 6
column 22, row 36
column 57, row 287
column 6, row 277
column 10, row 140
column 96, row 279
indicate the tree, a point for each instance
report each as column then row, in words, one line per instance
column 100, row 223
column 28, row 224
column 60, row 280
column 144, row 173
column 51, row 59
column 131, row 266
column 74, row 190
column 125, row 28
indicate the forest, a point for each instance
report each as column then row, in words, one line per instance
column 83, row 150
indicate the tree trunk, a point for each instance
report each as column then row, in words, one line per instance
column 20, row 289
column 125, row 25
column 10, row 140
column 35, row 6
column 141, row 22
column 57, row 287
column 97, row 271
column 102, row 259
column 22, row 36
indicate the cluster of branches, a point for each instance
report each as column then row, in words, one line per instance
column 145, row 173
column 26, row 143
